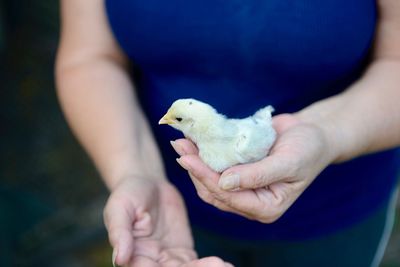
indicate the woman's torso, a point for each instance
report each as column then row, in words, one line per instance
column 240, row 56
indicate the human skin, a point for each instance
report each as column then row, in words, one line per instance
column 98, row 100
column 363, row 119
column 145, row 215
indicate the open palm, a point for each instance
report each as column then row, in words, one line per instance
column 148, row 227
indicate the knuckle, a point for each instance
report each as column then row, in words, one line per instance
column 106, row 216
column 280, row 199
column 267, row 220
column 114, row 204
column 106, row 212
column 293, row 167
column 271, row 218
column 224, row 198
column 271, row 215
column 113, row 235
column 259, row 180
column 250, row 216
column 204, row 195
column 221, row 206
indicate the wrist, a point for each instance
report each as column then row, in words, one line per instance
column 118, row 166
column 113, row 180
column 333, row 136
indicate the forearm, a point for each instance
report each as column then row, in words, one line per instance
column 363, row 119
column 99, row 103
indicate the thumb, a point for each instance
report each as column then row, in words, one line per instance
column 255, row 175
column 118, row 221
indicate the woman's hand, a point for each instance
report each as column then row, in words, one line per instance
column 148, row 227
column 263, row 190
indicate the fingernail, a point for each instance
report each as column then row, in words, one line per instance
column 183, row 164
column 173, row 144
column 177, row 148
column 230, row 182
column 114, row 256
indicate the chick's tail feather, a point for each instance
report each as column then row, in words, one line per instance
column 264, row 113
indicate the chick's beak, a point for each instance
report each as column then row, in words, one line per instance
column 166, row 119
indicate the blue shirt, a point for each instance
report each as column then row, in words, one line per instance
column 240, row 56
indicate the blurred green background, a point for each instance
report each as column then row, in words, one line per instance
column 51, row 198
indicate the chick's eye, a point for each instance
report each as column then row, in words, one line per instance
column 179, row 119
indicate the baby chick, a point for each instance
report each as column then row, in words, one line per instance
column 222, row 142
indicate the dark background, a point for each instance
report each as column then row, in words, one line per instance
column 51, row 197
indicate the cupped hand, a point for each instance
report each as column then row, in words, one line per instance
column 148, row 227
column 263, row 190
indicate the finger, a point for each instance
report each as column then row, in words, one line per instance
column 143, row 225
column 207, row 197
column 211, row 198
column 194, row 163
column 184, row 146
column 242, row 203
column 208, row 178
column 260, row 174
column 199, row 169
column 118, row 220
column 263, row 204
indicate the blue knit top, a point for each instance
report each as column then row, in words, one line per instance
column 241, row 55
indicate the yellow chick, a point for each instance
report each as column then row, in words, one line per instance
column 222, row 142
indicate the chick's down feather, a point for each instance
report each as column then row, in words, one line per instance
column 222, row 142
